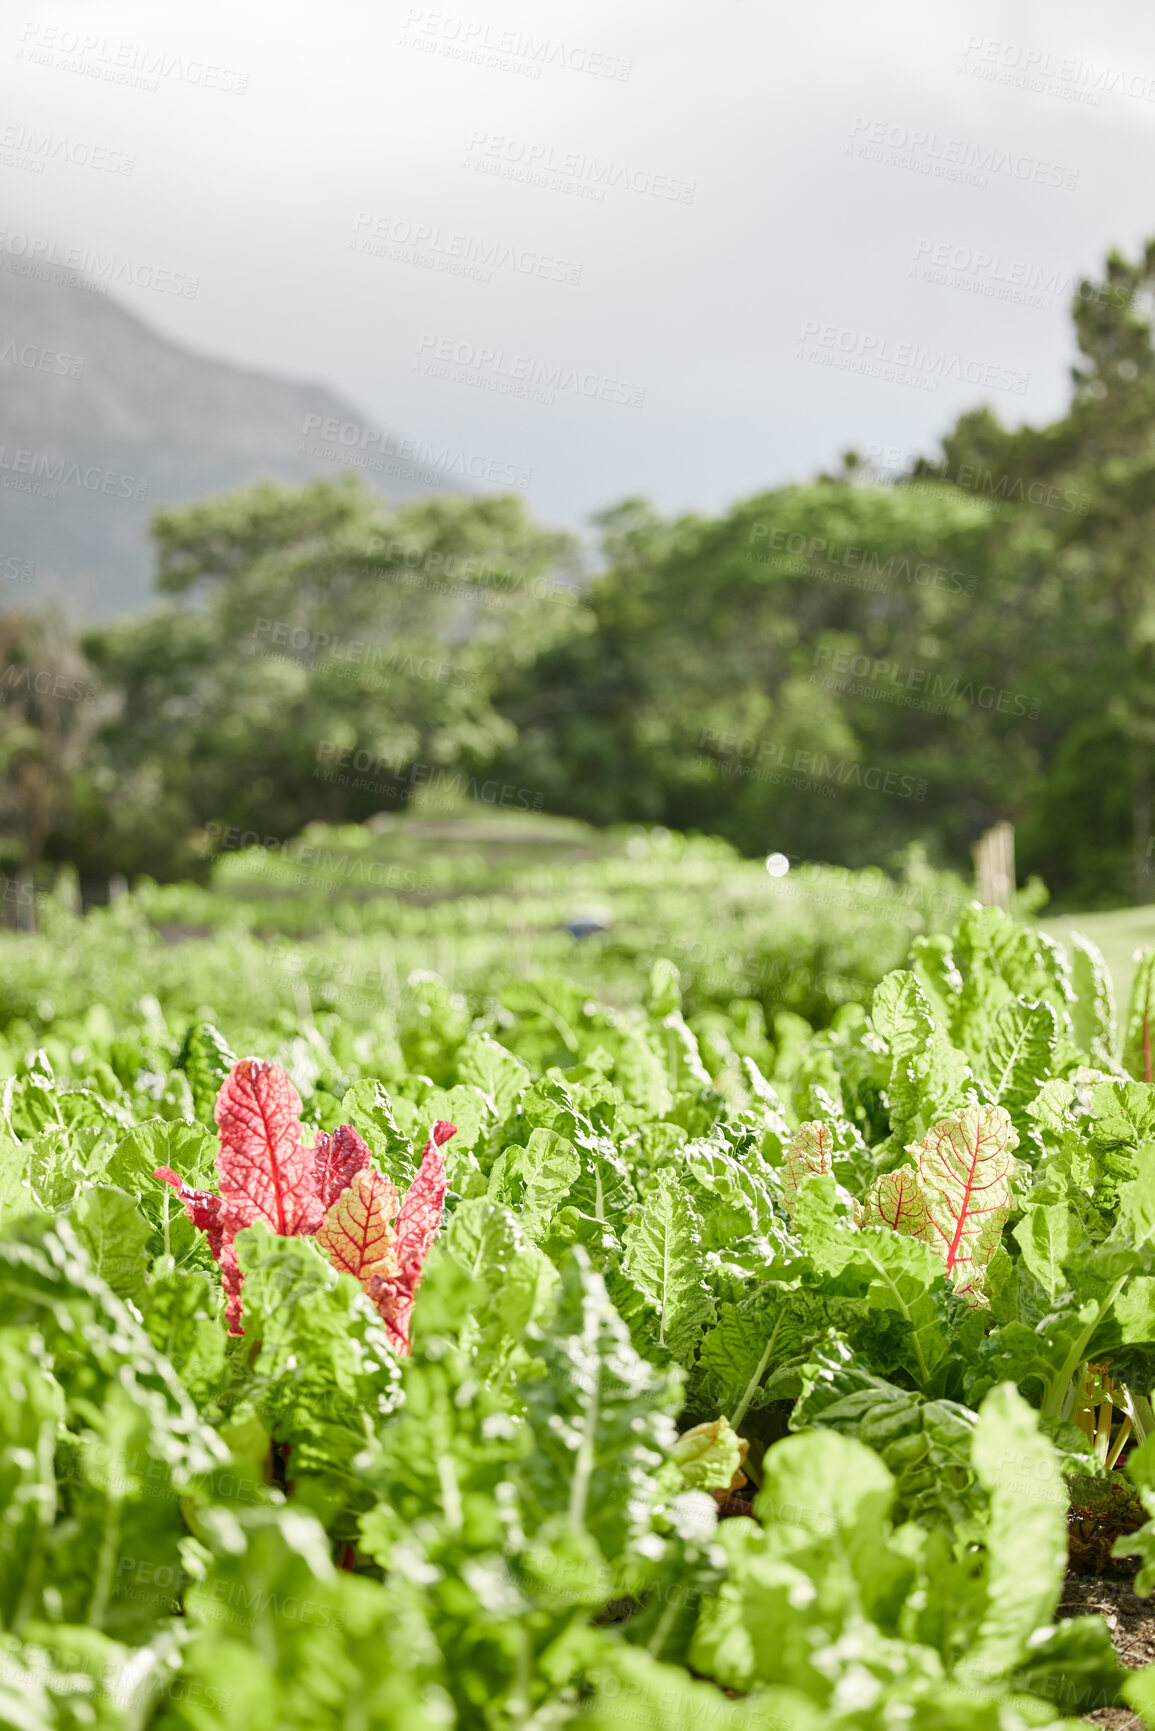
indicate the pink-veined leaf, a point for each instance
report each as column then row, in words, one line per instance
column 337, row 1160
column 359, row 1232
column 421, row 1206
column 231, row 1279
column 215, row 1220
column 264, row 1171
column 966, row 1165
column 201, row 1206
column 393, row 1286
column 394, row 1296
column 263, row 1167
column 810, row 1154
column 897, row 1199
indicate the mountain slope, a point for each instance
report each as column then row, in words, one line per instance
column 102, row 420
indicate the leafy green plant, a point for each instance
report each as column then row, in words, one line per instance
column 701, row 1374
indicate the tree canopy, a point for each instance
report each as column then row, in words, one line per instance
column 835, row 669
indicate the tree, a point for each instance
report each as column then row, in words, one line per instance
column 320, row 655
column 50, row 709
column 1085, row 620
column 801, row 674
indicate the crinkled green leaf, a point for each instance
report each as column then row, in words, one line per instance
column 494, row 1071
column 112, row 1230
column 368, row 1108
column 535, row 1179
column 206, row 1060
column 599, row 1417
column 663, row 1257
column 926, row 1444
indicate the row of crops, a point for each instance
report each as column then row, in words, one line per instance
column 567, row 1333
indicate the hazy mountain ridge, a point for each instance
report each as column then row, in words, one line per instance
column 102, row 420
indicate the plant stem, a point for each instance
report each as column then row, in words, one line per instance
column 1056, row 1398
column 1119, row 1443
column 740, row 1410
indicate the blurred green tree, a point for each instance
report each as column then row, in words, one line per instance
column 309, row 629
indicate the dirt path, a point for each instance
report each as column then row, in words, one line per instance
column 1131, row 1621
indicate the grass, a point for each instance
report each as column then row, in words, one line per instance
column 1118, row 933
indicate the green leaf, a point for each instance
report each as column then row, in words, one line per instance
column 368, row 1108
column 749, row 1341
column 30, row 1101
column 31, row 1419
column 206, row 1060
column 664, row 997
column 663, row 1257
column 513, row 1279
column 109, row 1226
column 276, row 1637
column 708, row 1456
column 1001, row 959
column 905, row 1277
column 1139, row 1033
column 1133, row 1312
column 1049, row 1235
column 496, row 1072
column 57, row 1161
column 933, row 965
column 535, row 1179
column 1135, row 1225
column 744, row 1202
column 1141, row 1544
column 926, row 1444
column 130, row 1446
column 182, row 1314
column 824, row 1224
column 189, row 1149
column 928, row 1077
column 15, row 1196
column 771, row 1109
column 828, row 1491
column 1019, row 1055
column 1072, row 1664
column 633, row 1692
column 1093, row 1020
column 1139, row 1691
column 1122, row 1114
column 599, row 1417
column 900, row 1013
column 323, row 1373
column 463, row 1105
column 1026, row 1534
column 1051, row 1108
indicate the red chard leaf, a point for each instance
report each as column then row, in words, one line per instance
column 393, row 1284
column 358, row 1232
column 339, row 1158
column 263, row 1167
column 266, row 1173
column 421, row 1207
column 201, row 1206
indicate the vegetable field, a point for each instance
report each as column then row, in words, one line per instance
column 571, row 1331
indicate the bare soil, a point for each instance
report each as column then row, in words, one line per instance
column 1131, row 1621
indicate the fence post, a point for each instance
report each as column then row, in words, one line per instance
column 994, row 857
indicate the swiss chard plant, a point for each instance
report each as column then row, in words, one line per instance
column 707, row 1372
column 328, row 1191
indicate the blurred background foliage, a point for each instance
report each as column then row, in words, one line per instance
column 977, row 632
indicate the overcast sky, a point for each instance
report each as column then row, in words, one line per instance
column 758, row 234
